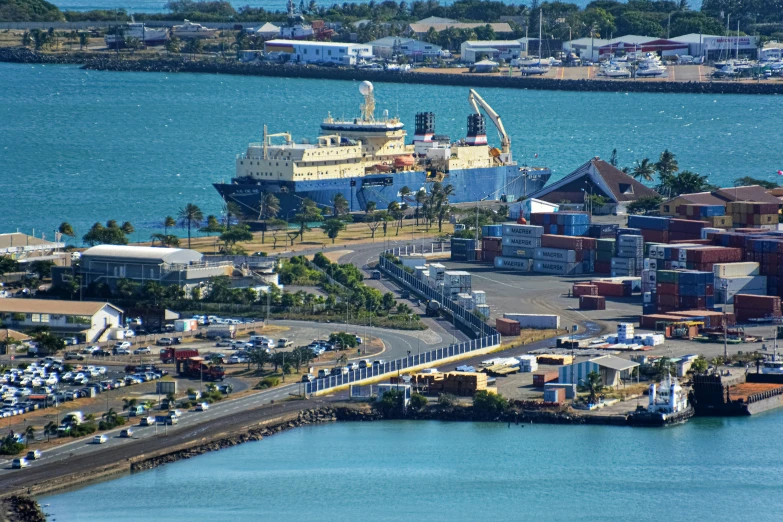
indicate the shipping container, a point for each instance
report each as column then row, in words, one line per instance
column 558, row 268
column 541, row 378
column 522, row 230
column 492, row 231
column 554, row 395
column 513, row 263
column 479, row 297
column 556, row 254
column 511, row 251
column 508, row 327
column 564, row 242
column 537, row 321
column 521, row 241
column 648, row 222
column 592, row 302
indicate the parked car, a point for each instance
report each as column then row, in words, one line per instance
column 142, row 351
column 19, row 463
column 284, row 343
column 224, row 343
column 99, row 439
column 101, row 353
column 34, row 454
column 122, row 345
column 365, row 363
column 378, row 362
column 69, row 356
column 359, row 340
column 352, row 366
column 323, row 372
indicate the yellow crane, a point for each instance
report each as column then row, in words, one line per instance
column 476, row 100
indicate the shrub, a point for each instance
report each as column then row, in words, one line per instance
column 81, row 430
column 447, row 399
column 488, row 405
column 391, row 404
column 10, row 446
column 418, row 401
column 267, row 382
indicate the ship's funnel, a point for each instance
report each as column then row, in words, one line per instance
column 425, row 126
column 477, row 130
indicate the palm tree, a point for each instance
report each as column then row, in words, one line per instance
column 667, row 164
column 594, row 386
column 421, row 198
column 644, row 170
column 84, row 39
column 110, row 418
column 190, row 216
column 27, row 40
column 29, row 433
column 172, row 45
column 168, row 222
column 127, row 228
column 194, row 46
column 66, row 229
column 50, row 429
column 341, row 206
column 128, row 404
column 663, row 367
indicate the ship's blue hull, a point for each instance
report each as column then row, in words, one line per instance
column 491, row 183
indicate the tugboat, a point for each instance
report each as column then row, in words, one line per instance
column 668, row 405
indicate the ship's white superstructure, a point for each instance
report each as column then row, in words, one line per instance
column 136, row 30
column 193, row 30
column 667, row 398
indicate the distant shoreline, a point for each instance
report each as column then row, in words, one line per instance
column 172, row 65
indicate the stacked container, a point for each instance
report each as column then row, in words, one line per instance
column 463, row 249
column 479, row 297
column 466, row 301
column 625, row 333
column 629, row 253
column 654, row 229
column 747, row 214
column 684, row 290
column 456, row 282
column 737, row 278
column 685, row 229
column 492, row 231
column 747, row 307
column 539, row 321
column 437, row 272
column 562, row 223
column 602, row 231
column 483, row 310
column 514, row 263
column 604, row 252
column 491, row 247
column 527, row 363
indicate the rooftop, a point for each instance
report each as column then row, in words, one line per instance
column 424, row 27
column 614, row 363
column 492, row 43
column 312, row 44
column 13, row 334
column 23, row 241
column 162, row 255
column 51, row 306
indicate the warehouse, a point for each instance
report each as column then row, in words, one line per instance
column 613, row 370
column 596, row 177
column 299, row 51
column 644, row 44
column 186, row 268
column 87, row 317
column 713, row 47
column 754, row 193
column 393, row 46
column 473, row 51
column 585, row 48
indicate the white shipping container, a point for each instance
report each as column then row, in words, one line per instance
column 555, row 254
column 483, row 310
column 556, row 267
column 535, row 320
column 510, row 229
column 709, row 230
column 657, row 252
column 623, row 262
column 436, row 271
column 465, row 301
column 521, row 241
column 479, row 296
column 723, row 270
column 650, row 264
column 514, row 263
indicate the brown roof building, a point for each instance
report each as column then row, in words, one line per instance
column 750, row 193
column 596, row 177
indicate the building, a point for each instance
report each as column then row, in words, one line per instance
column 88, row 318
column 390, row 47
column 596, row 177
column 772, row 53
column 613, row 370
column 485, row 66
column 421, row 28
column 180, row 266
column 751, row 193
column 585, row 48
column 473, row 51
column 26, row 248
column 713, row 47
column 643, row 44
column 300, row 51
column 547, row 46
column 268, row 30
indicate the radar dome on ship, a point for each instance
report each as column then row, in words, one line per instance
column 365, row 88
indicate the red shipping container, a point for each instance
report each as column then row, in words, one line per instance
column 757, row 302
column 689, row 302
column 507, row 326
column 655, row 236
column 651, row 321
column 603, row 267
column 489, row 257
column 492, row 244
column 663, row 309
column 609, row 289
column 686, row 225
column 667, row 288
column 581, row 289
column 685, row 237
column 541, row 378
column 592, row 302
column 564, row 242
column 588, row 243
column 668, row 300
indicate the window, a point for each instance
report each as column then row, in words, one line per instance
column 44, row 318
column 666, row 208
column 626, row 188
column 330, row 52
column 77, row 319
column 35, row 318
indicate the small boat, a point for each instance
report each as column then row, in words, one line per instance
column 668, row 404
column 617, row 72
column 135, row 30
column 192, row 30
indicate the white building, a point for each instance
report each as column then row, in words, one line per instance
column 299, row 51
column 416, row 50
column 92, row 319
column 585, row 48
column 713, row 47
column 771, row 53
column 473, row 51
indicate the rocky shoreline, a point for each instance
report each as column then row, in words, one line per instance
column 19, row 508
column 179, row 64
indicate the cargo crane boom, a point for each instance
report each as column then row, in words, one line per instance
column 476, row 100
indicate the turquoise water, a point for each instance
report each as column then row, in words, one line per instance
column 86, row 146
column 724, row 469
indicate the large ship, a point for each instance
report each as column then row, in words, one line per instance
column 366, row 159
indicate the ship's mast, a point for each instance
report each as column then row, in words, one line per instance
column 368, row 107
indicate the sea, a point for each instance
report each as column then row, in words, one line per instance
column 710, row 468
column 86, row 146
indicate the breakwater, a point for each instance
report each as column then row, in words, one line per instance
column 181, row 64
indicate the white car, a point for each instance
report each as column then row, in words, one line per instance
column 20, row 463
column 99, row 439
column 202, row 406
column 122, row 345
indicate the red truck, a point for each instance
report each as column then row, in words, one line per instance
column 197, row 367
column 170, row 355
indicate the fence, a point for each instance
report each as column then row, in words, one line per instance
column 488, row 337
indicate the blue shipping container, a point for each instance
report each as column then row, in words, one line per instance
column 648, row 222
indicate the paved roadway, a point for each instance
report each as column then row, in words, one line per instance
column 191, row 423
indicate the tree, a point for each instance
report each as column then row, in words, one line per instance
column 236, row 234
column 84, row 39
column 341, row 206
column 190, row 216
column 268, row 210
column 168, row 222
column 127, row 228
column 333, row 227
column 50, row 429
column 194, row 46
column 308, row 212
column 748, row 180
column 128, row 403
column 370, row 207
column 643, row 170
column 421, row 197
column 391, row 404
column 644, row 204
column 29, row 434
column 173, row 45
column 373, row 225
column 167, row 240
column 42, row 269
column 663, row 367
column 594, row 386
column 132, row 43
column 699, row 365
column 417, row 402
column 66, row 229
column 111, row 234
column 488, row 405
column 48, row 342
column 260, row 358
column 213, row 226
column 667, row 164
column 8, row 265
column 686, row 182
column 27, row 40
column 613, row 159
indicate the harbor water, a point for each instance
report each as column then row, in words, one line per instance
column 724, row 468
column 86, row 146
